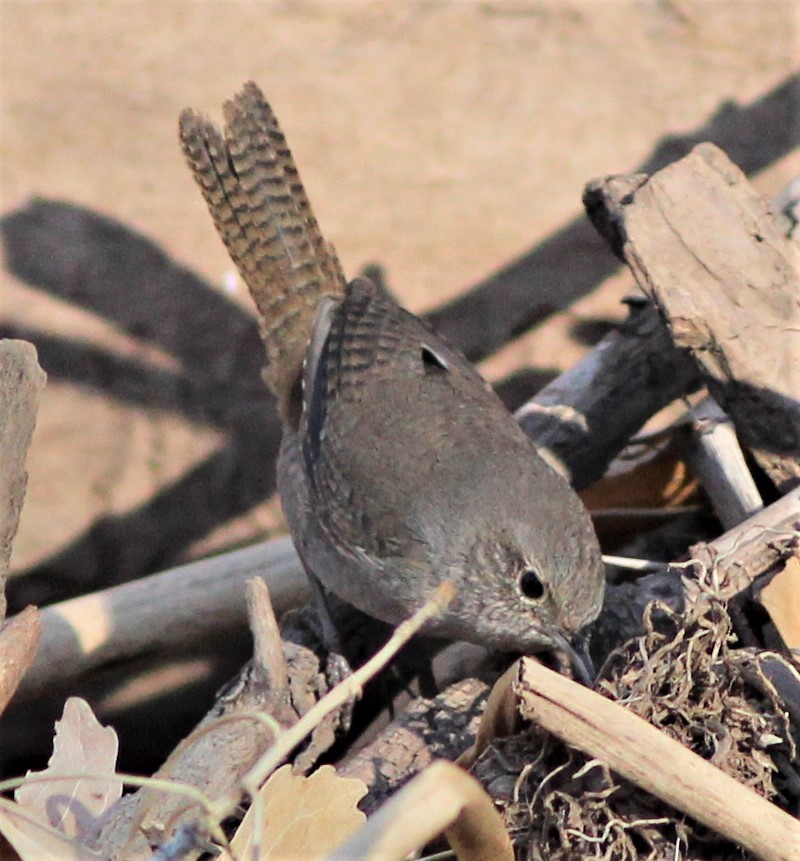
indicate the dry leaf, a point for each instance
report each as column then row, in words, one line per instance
column 500, row 717
column 81, row 746
column 305, row 817
column 781, row 599
column 35, row 841
column 443, row 798
column 662, row 481
column 636, row 500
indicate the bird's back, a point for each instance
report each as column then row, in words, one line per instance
column 399, row 428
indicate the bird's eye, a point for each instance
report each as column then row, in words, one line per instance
column 530, row 585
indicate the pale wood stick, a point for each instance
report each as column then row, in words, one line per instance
column 267, row 644
column 194, row 603
column 655, row 762
column 730, row 563
column 715, row 457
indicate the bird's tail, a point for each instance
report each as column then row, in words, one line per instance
column 261, row 211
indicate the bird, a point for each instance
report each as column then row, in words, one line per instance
column 399, row 467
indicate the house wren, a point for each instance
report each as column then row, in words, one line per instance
column 399, row 466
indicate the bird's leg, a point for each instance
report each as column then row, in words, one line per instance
column 337, row 666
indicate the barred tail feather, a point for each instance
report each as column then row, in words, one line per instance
column 261, row 211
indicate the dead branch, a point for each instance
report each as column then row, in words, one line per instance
column 21, row 380
column 195, row 603
column 586, row 416
column 231, row 752
column 426, row 730
column 730, row 563
column 352, row 685
column 724, row 567
column 19, row 638
column 226, row 743
column 710, row 253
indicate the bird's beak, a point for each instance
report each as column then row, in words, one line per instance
column 578, row 655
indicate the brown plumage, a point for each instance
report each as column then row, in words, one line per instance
column 399, row 466
column 261, row 211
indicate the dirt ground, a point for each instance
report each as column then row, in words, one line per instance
column 447, row 142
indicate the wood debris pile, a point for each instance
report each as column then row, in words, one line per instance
column 688, row 745
column 685, row 676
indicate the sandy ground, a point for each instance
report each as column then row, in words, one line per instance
column 444, row 141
